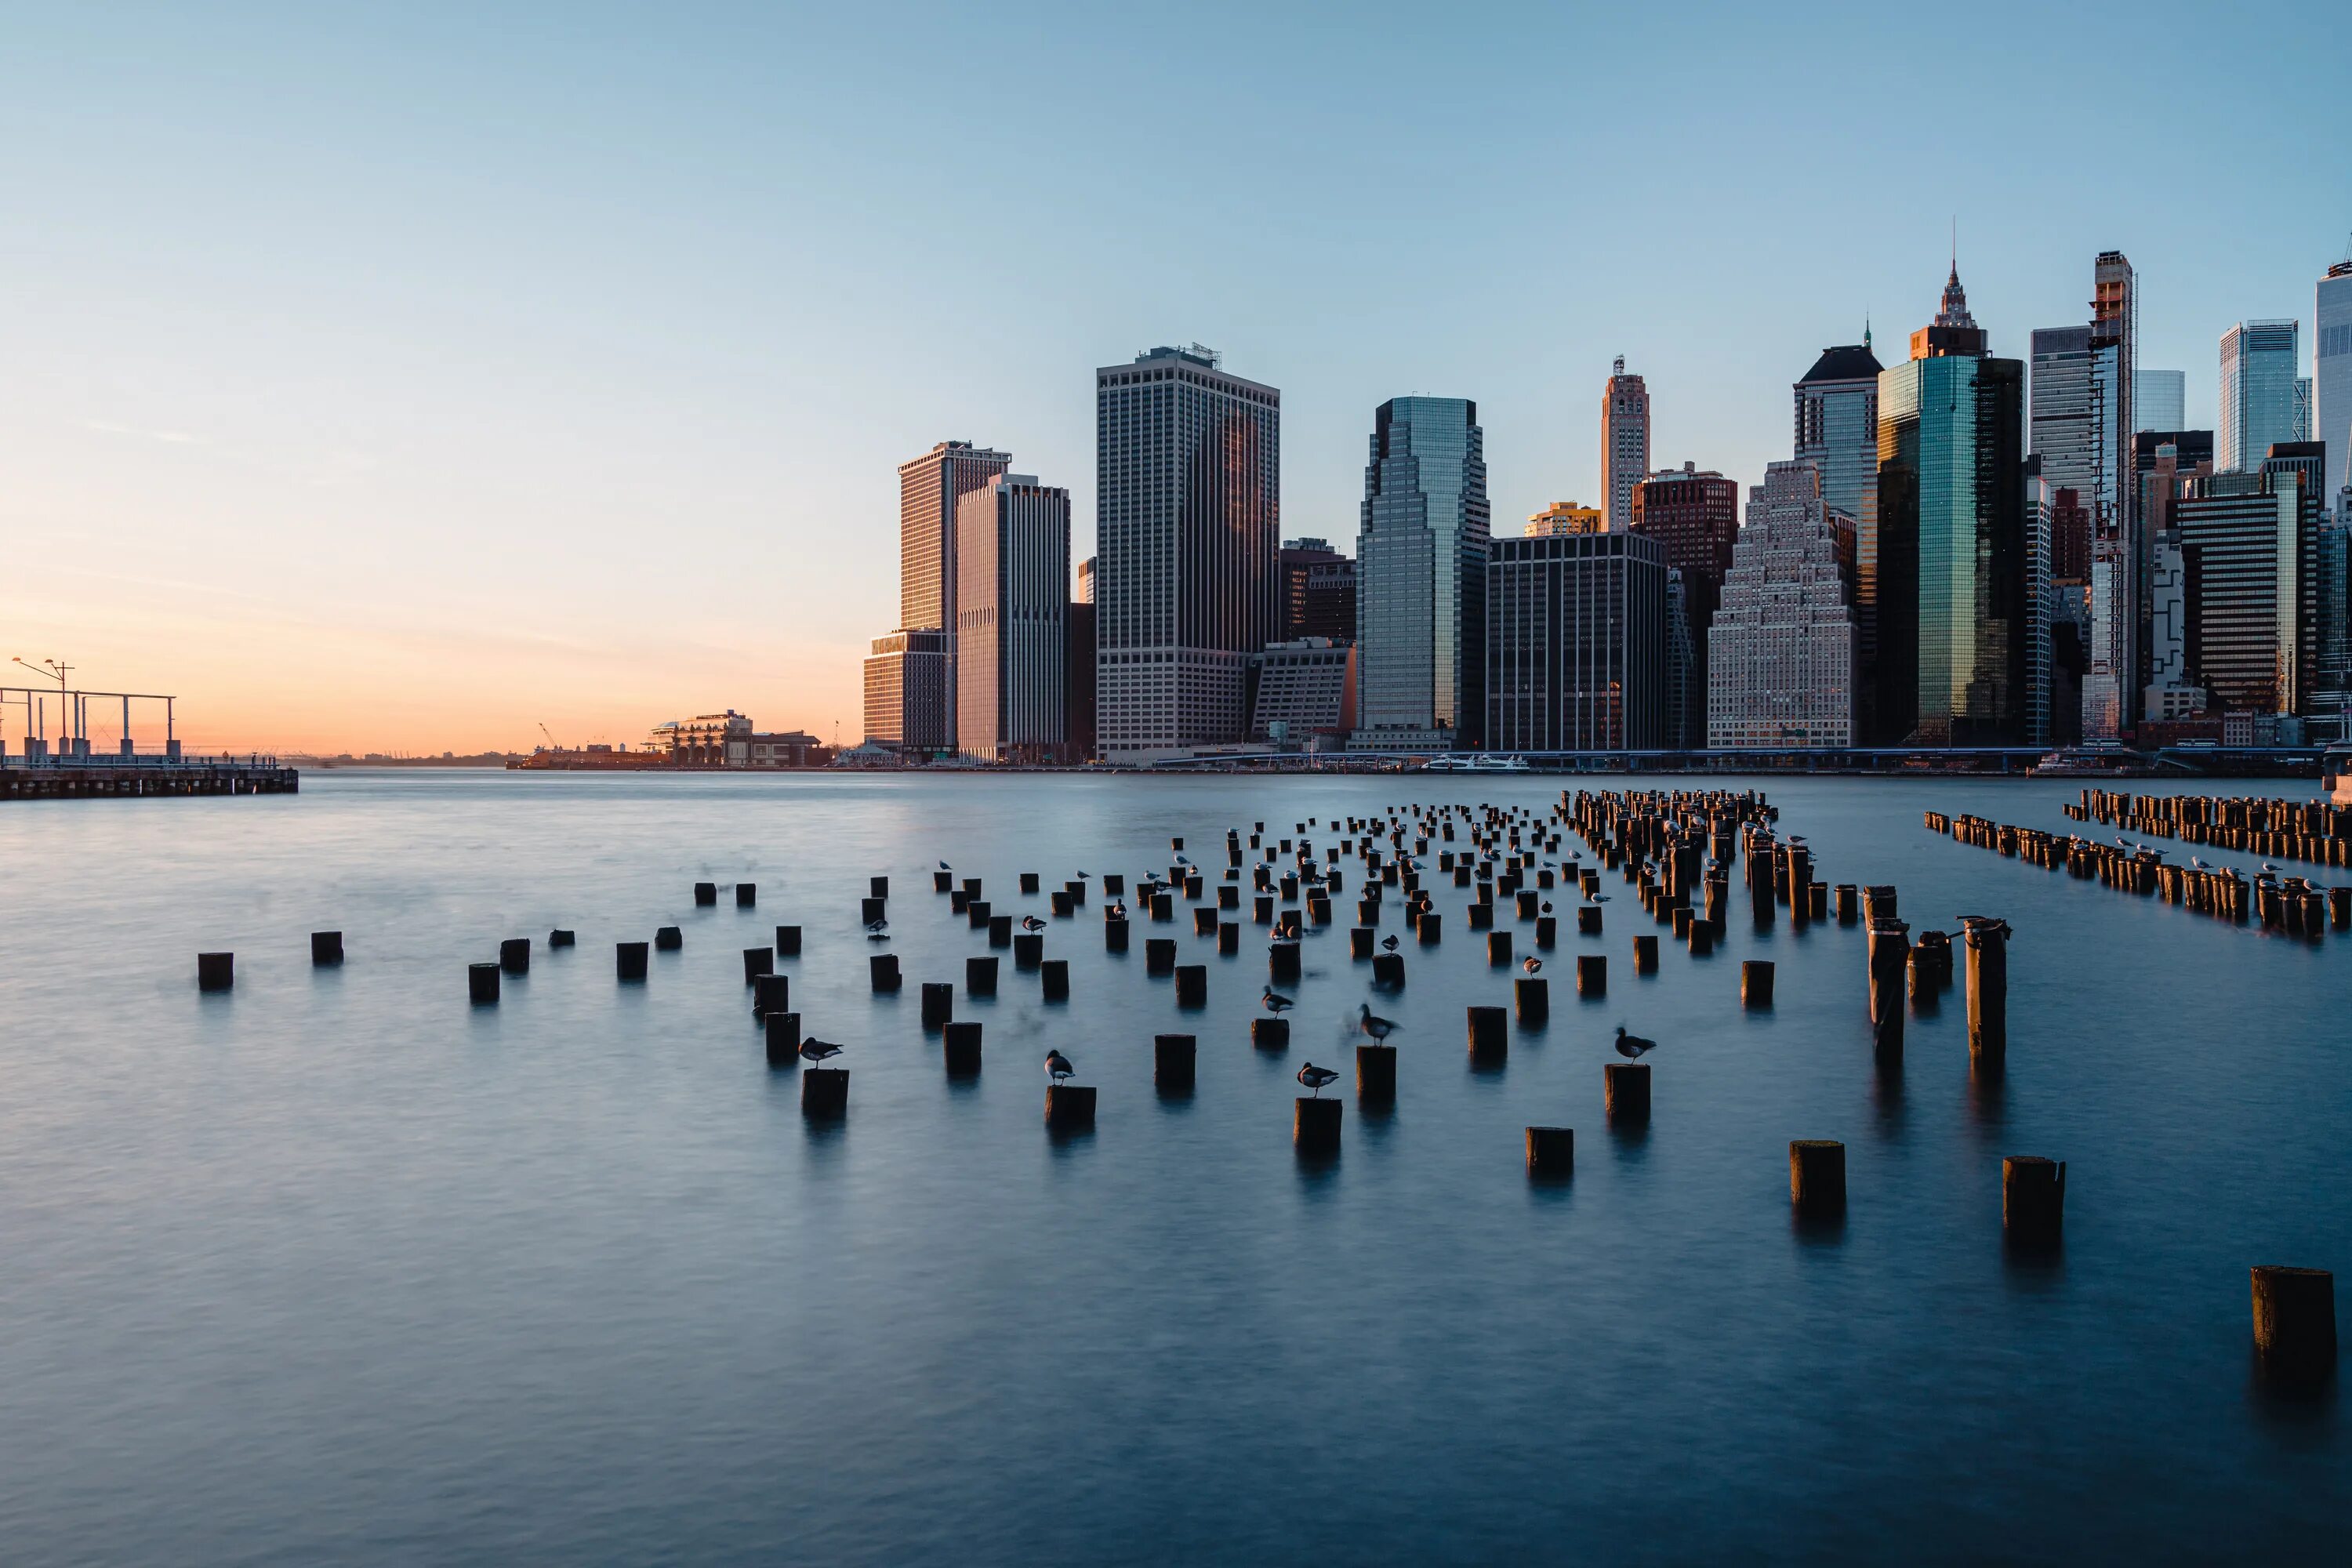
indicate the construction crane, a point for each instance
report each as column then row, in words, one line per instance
column 552, row 744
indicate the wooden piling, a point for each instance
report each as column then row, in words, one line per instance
column 1645, row 954
column 1376, row 1074
column 2294, row 1323
column 1055, row 976
column 561, row 938
column 1592, row 974
column 1388, row 970
column 1172, row 1062
column 747, row 895
column 1817, row 1177
column 326, row 949
column 959, row 1048
column 1552, row 1151
column 1315, row 1125
column 938, row 1003
column 882, row 968
column 980, row 975
column 771, row 993
column 824, row 1094
column 1192, row 985
column 1988, row 944
column 1625, row 1091
column 757, row 961
column 629, row 959
column 1532, row 998
column 706, row 894
column 782, row 1031
column 668, row 938
column 1270, row 1034
column 788, row 941
column 482, row 982
column 2033, row 1197
column 1490, row 1034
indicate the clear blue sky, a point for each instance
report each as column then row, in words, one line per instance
column 405, row 376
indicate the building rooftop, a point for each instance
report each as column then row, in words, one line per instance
column 1847, row 362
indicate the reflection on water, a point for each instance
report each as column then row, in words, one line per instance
column 338, row 1267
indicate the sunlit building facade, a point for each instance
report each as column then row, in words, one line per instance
column 1781, row 653
column 1625, row 444
column 1576, row 645
column 2259, row 361
column 1421, row 555
column 1012, row 600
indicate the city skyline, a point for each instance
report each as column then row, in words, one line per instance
column 340, row 416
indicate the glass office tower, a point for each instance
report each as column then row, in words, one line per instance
column 1947, row 559
column 1421, row 555
column 2259, row 361
column 2331, row 406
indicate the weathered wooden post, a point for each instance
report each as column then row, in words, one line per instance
column 1376, row 1074
column 1890, row 949
column 1531, row 997
column 1552, row 1151
column 1817, row 1177
column 788, row 941
column 629, row 960
column 757, row 961
column 1988, row 944
column 326, row 949
column 824, row 1094
column 1053, row 974
column 1315, row 1125
column 938, row 1002
column 783, row 1039
column 1490, row 1035
column 883, row 969
column 771, row 993
column 1625, row 1091
column 2294, row 1323
column 747, row 895
column 706, row 894
column 1756, row 984
column 482, row 984
column 2033, row 1198
column 1645, row 954
column 960, row 1047
column 1173, row 1063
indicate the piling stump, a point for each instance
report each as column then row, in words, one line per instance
column 1625, row 1090
column 1282, row 961
column 2294, row 1323
column 1817, row 1177
column 1171, row 1062
column 1552, row 1151
column 629, row 960
column 668, row 938
column 706, row 894
column 1070, row 1108
column 1054, row 973
column 1270, row 1034
column 1490, row 1035
column 2033, row 1197
column 1192, row 985
column 561, row 938
column 883, row 969
column 1499, row 949
column 1592, row 974
column 747, row 895
column 326, row 949
column 1388, row 970
column 1755, row 982
column 1587, row 919
column 1532, row 998
column 824, row 1094
column 938, row 1003
column 1315, row 1125
column 1114, row 935
column 758, row 961
column 1376, row 1074
column 771, row 993
column 980, row 975
column 1645, row 955
column 960, row 1049
column 788, row 941
column 783, row 1038
column 482, row 982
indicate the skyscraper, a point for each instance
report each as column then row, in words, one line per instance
column 1421, row 553
column 2159, row 398
column 1576, row 645
column 1837, row 426
column 1944, row 564
column 2080, row 429
column 1188, row 483
column 2331, row 406
column 2250, row 549
column 931, row 489
column 907, row 690
column 1695, row 515
column 1625, row 445
column 2259, row 361
column 1780, row 655
column 1012, row 596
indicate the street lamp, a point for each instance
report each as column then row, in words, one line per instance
column 56, row 672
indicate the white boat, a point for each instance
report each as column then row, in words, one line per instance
column 2103, row 759
column 1498, row 765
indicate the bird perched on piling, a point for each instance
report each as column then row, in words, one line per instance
column 1057, row 1065
column 1031, row 923
column 1632, row 1046
column 1082, row 876
column 1276, row 1003
column 815, row 1050
column 1372, row 1023
column 1533, row 965
column 1315, row 1077
column 1388, row 944
column 877, row 930
column 945, row 866
column 1118, row 911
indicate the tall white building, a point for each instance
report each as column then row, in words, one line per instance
column 1625, row 445
column 1012, row 596
column 2259, row 361
column 1781, row 654
column 2331, row 391
column 931, row 489
column 2159, row 399
column 1188, row 462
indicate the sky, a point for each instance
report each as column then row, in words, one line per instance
column 407, row 378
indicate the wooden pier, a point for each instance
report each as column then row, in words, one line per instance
column 95, row 779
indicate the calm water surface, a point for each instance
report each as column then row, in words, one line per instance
column 337, row 1267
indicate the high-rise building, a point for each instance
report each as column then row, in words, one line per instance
column 1012, row 600
column 1319, row 592
column 1188, row 464
column 1421, row 553
column 1085, row 594
column 1566, row 517
column 1837, row 424
column 1944, row 563
column 2159, row 399
column 1686, row 721
column 1625, row 444
column 2081, row 427
column 2168, row 462
column 1576, row 644
column 2331, row 407
column 907, row 690
column 1302, row 694
column 2041, row 677
column 931, row 489
column 2302, row 423
column 1078, row 678
column 1695, row 515
column 1781, row 654
column 2259, row 361
column 2250, row 554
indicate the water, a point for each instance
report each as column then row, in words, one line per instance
column 337, row 1267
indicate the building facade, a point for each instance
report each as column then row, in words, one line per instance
column 1694, row 514
column 1421, row 556
column 1303, row 694
column 730, row 739
column 1319, row 592
column 2260, row 362
column 1944, row 567
column 932, row 487
column 2167, row 462
column 1012, row 600
column 1837, row 426
column 1576, row 644
column 1781, row 652
column 1566, row 517
column 2331, row 391
column 1625, row 445
column 2249, row 557
column 2159, row 399
column 907, row 690
column 1188, row 487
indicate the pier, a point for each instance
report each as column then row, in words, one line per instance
column 66, row 766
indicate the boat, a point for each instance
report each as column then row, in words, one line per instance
column 1498, row 765
column 2335, row 772
column 2099, row 760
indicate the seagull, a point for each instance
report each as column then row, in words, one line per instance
column 1531, row 965
column 945, row 866
column 1389, row 943
column 1276, row 1003
column 1031, row 923
column 1596, row 897
column 877, row 932
column 816, row 1050
column 1315, row 1077
column 1181, row 860
column 1632, row 1046
column 1057, row 1065
column 2271, row 869
column 1083, row 876
column 1372, row 1023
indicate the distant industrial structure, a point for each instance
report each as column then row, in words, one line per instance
column 52, row 757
